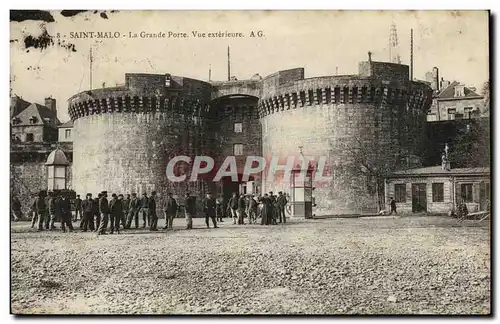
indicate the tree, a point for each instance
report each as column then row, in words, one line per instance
column 485, row 91
column 471, row 147
column 368, row 160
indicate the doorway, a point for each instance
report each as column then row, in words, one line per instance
column 419, row 197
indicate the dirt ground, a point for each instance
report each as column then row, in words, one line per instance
column 383, row 265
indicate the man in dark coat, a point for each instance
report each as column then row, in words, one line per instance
column 41, row 209
column 170, row 210
column 88, row 214
column 209, row 206
column 274, row 208
column 190, row 210
column 97, row 213
column 281, row 201
column 220, row 208
column 78, row 208
column 393, row 206
column 233, row 206
column 133, row 211
column 152, row 212
column 266, row 212
column 252, row 210
column 64, row 206
column 241, row 210
column 115, row 213
column 54, row 210
column 104, row 210
column 144, row 210
column 126, row 206
column 34, row 212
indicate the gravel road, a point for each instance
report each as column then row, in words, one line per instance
column 385, row 265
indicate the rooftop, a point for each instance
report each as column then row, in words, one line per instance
column 437, row 170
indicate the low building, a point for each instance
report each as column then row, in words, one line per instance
column 437, row 189
column 66, row 132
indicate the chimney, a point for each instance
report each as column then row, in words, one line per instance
column 51, row 104
column 435, row 79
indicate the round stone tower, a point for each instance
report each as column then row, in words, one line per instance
column 125, row 136
column 365, row 125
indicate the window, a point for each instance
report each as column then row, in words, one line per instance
column 451, row 113
column 437, row 192
column 466, row 190
column 400, row 192
column 33, row 120
column 431, row 117
column 67, row 133
column 29, row 137
column 238, row 149
column 238, row 127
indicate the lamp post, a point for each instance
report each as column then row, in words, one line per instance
column 56, row 170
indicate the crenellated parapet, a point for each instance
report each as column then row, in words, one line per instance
column 138, row 105
column 344, row 90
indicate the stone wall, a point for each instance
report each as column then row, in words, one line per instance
column 127, row 152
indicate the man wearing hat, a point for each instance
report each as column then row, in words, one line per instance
column 281, row 201
column 152, row 212
column 78, row 208
column 170, row 210
column 97, row 214
column 104, row 210
column 41, row 209
column 143, row 210
column 133, row 212
column 126, row 206
column 88, row 214
column 209, row 206
column 65, row 213
column 115, row 213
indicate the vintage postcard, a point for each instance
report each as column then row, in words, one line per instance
column 250, row 162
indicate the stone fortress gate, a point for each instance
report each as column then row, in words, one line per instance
column 365, row 124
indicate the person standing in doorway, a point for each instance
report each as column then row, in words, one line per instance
column 209, row 206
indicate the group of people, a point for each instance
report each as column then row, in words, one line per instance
column 119, row 212
column 269, row 208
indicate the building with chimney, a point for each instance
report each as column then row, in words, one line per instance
column 35, row 123
column 452, row 100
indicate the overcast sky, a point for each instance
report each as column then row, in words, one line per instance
column 319, row 41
